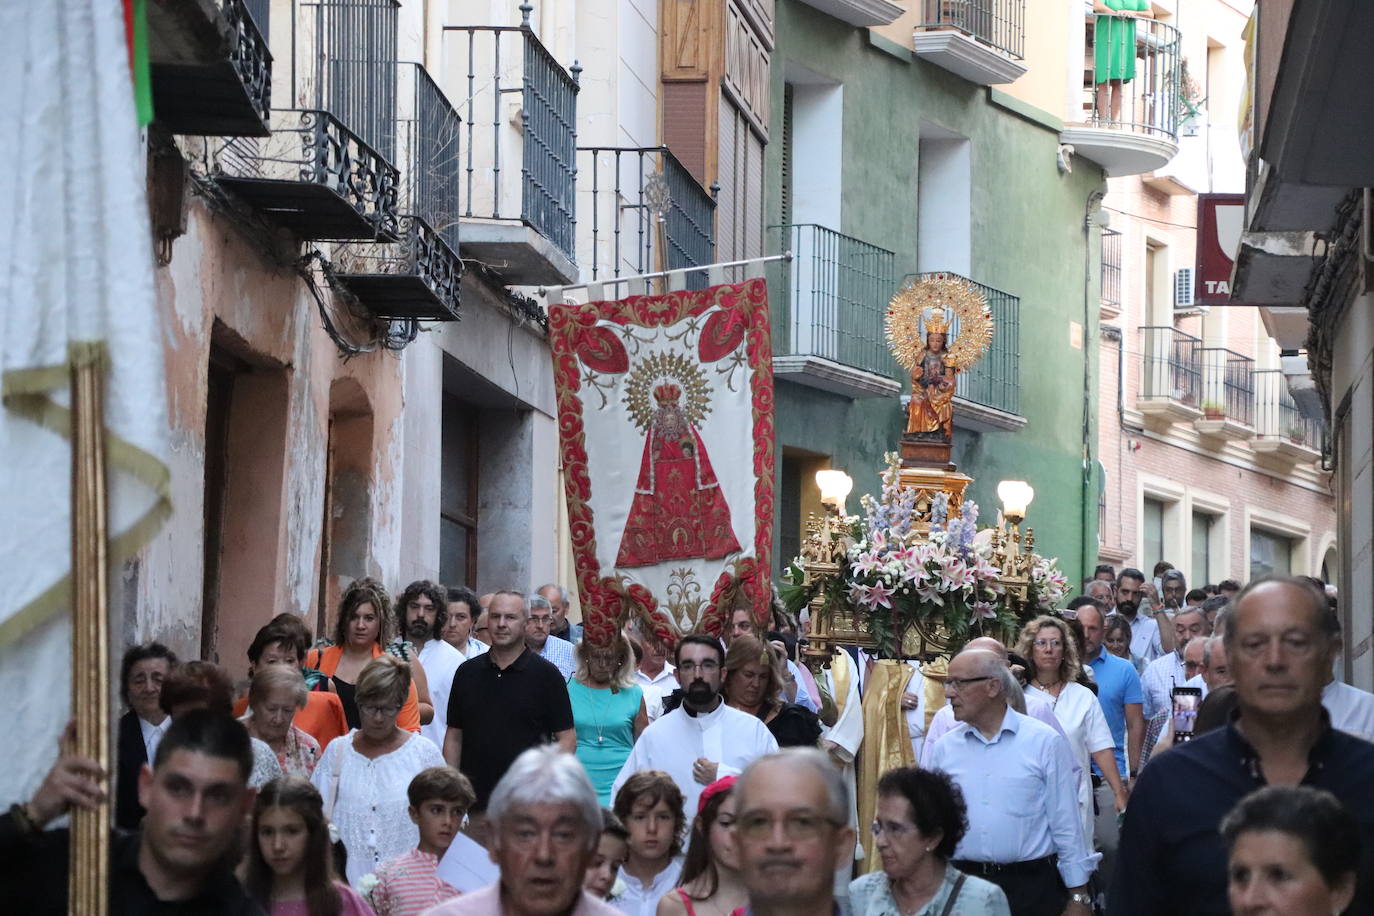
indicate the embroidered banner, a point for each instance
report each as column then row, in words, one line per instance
column 665, row 415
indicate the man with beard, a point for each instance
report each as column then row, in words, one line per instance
column 423, row 609
column 703, row 739
column 1149, row 638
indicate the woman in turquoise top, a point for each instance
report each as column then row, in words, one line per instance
column 1114, row 51
column 608, row 710
column 919, row 821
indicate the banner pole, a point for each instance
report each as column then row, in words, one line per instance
column 88, row 864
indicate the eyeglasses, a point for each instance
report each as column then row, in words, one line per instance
column 541, row 621
column 798, row 826
column 1048, row 644
column 381, row 712
column 957, row 684
column 705, row 667
column 892, row 829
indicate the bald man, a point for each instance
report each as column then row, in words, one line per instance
column 1036, row 707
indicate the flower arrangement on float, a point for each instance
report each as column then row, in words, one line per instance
column 941, row 577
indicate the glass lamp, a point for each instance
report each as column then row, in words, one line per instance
column 1015, row 496
column 834, row 486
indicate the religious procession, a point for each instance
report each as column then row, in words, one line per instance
column 687, row 458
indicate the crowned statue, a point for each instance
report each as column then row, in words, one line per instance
column 930, row 414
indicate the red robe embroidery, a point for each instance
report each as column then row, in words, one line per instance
column 678, row 511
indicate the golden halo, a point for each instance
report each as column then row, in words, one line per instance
column 916, row 305
column 648, row 373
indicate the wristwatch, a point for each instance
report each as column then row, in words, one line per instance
column 1082, row 898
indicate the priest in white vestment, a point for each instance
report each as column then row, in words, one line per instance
column 703, row 739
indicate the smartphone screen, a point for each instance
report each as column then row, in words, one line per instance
column 1185, row 701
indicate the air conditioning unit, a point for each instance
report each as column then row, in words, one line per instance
column 1183, row 288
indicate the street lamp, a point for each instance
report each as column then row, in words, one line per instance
column 834, row 486
column 1015, row 496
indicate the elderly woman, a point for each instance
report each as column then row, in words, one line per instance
column 364, row 775
column 608, row 710
column 919, row 821
column 545, row 826
column 278, row 692
column 203, row 685
column 1292, row 850
column 754, row 683
column 1048, row 644
column 363, row 627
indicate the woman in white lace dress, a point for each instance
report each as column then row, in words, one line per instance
column 363, row 776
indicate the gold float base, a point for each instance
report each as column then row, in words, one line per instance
column 927, row 482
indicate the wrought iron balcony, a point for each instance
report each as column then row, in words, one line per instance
column 210, row 66
column 994, row 382
column 1130, row 126
column 520, row 145
column 980, row 40
column 1228, row 393
column 647, row 214
column 418, row 275
column 1111, row 271
column 1281, row 431
column 837, row 290
column 1170, row 375
column 326, row 171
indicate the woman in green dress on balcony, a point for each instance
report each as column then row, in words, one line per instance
column 1114, row 52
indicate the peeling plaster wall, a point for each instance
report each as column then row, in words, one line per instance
column 268, row 319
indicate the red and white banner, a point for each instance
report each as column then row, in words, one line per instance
column 665, row 415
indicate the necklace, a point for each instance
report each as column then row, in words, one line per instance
column 599, row 709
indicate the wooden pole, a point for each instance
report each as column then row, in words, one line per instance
column 88, row 866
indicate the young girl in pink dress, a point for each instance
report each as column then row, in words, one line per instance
column 290, row 865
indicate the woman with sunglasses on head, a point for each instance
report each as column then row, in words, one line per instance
column 710, row 883
column 919, row 821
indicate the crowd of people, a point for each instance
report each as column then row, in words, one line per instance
column 1148, row 749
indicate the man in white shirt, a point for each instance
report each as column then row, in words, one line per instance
column 1148, row 641
column 654, row 673
column 1016, row 775
column 703, row 739
column 462, row 612
column 1169, row 671
column 423, row 608
column 1350, row 708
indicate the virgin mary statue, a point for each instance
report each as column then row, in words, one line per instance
column 678, row 510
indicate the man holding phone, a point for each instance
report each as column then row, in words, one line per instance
column 1169, row 671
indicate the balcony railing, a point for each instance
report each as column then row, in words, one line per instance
column 220, row 90
column 837, row 288
column 1227, row 384
column 1145, row 52
column 647, row 213
column 326, row 171
column 524, row 170
column 998, row 23
column 418, row 276
column 1111, row 269
column 1169, row 368
column 995, row 380
column 1277, row 416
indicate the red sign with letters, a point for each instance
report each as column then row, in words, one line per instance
column 1220, row 218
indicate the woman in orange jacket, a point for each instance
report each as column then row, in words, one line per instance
column 364, row 626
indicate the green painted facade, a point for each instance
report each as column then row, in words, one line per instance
column 1028, row 239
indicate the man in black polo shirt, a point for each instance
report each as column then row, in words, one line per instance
column 181, row 860
column 1279, row 645
column 504, row 702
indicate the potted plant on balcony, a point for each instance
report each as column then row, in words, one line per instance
column 1297, row 435
column 1214, row 410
